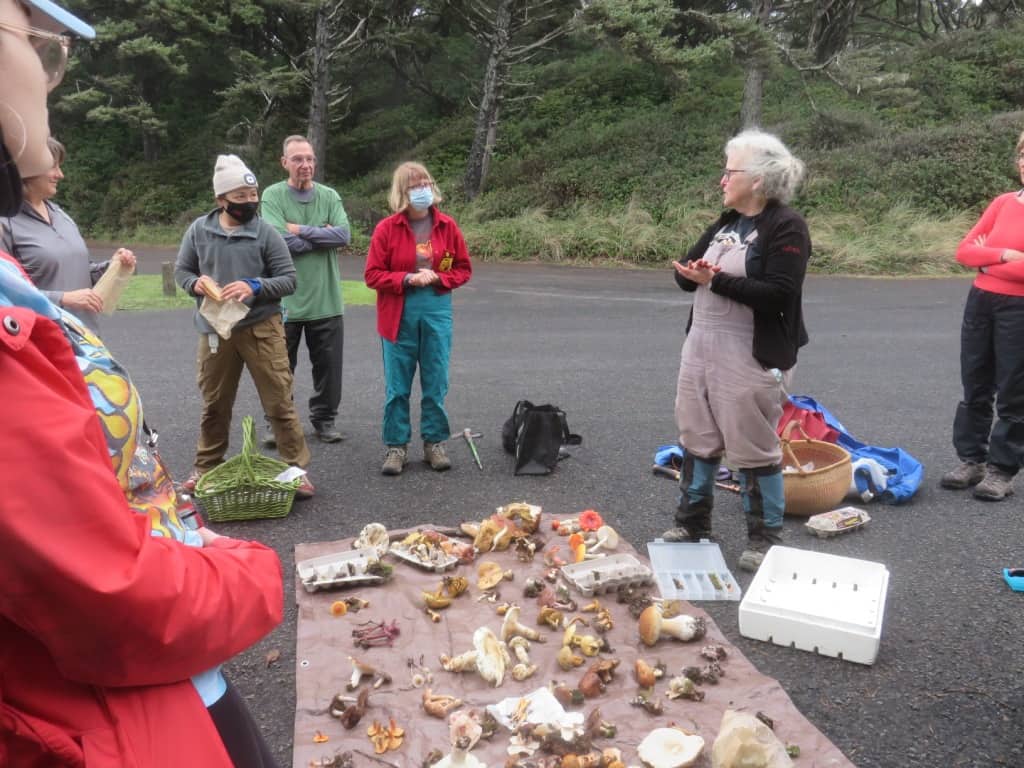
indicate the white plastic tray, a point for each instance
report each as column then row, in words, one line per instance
column 592, row 577
column 449, row 561
column 339, row 569
column 817, row 602
column 692, row 571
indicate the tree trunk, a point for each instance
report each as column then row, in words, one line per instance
column 486, row 129
column 320, row 85
column 753, row 84
column 150, row 146
column 831, row 24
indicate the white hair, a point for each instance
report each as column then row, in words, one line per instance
column 768, row 159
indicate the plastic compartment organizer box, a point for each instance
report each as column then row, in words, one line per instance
column 817, row 602
column 692, row 571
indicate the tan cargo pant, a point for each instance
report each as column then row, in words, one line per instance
column 260, row 348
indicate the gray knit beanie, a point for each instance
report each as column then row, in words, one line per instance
column 231, row 173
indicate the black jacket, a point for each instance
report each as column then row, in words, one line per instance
column 773, row 287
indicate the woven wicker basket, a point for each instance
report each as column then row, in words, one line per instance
column 821, row 489
column 243, row 487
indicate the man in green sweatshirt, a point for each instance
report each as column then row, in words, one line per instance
column 314, row 225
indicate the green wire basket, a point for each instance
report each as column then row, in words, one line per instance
column 243, row 487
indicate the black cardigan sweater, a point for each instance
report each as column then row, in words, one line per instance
column 773, row 287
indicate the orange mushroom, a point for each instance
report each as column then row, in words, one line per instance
column 339, row 608
column 590, row 520
column 578, row 547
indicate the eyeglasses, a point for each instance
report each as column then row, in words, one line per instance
column 728, row 172
column 51, row 48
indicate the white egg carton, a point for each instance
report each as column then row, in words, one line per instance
column 339, row 569
column 604, row 574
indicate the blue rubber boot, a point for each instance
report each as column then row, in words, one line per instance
column 696, row 499
column 764, row 502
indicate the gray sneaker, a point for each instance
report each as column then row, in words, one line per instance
column 677, row 535
column 965, row 475
column 436, row 456
column 758, row 544
column 394, row 460
column 268, row 440
column 995, row 486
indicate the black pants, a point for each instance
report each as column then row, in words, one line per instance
column 239, row 732
column 325, row 340
column 991, row 368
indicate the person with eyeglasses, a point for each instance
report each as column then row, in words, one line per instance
column 47, row 243
column 115, row 616
column 742, row 338
column 417, row 257
column 991, row 452
column 312, row 220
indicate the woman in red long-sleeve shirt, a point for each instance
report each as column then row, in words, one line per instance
column 992, row 352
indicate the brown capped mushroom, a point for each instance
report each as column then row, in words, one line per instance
column 654, row 626
column 489, row 575
column 439, row 705
column 646, row 675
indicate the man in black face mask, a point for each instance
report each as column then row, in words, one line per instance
column 231, row 254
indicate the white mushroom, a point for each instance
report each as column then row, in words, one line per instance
column 520, row 646
column 607, row 538
column 374, row 536
column 358, row 670
column 670, row 748
column 492, row 657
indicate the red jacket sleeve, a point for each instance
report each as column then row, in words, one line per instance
column 971, row 255
column 378, row 273
column 462, row 268
column 113, row 605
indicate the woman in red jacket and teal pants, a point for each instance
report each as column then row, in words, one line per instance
column 417, row 258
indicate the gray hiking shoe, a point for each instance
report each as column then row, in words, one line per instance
column 394, row 460
column 995, row 486
column 968, row 473
column 677, row 535
column 436, row 456
column 268, row 440
column 758, row 544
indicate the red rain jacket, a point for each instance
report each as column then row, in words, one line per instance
column 101, row 624
column 392, row 256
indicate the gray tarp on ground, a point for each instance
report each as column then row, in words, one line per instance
column 324, row 645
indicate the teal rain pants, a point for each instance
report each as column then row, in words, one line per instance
column 424, row 339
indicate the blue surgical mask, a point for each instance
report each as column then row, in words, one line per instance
column 421, row 198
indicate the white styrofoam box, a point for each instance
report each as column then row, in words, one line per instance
column 692, row 571
column 818, row 602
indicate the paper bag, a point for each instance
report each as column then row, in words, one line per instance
column 111, row 283
column 223, row 315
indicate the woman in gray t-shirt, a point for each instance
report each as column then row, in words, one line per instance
column 47, row 243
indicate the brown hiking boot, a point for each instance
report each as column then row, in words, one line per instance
column 959, row 478
column 436, row 456
column 995, row 486
column 394, row 460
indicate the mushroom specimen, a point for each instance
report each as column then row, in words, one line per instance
column 439, row 705
column 654, row 626
column 489, row 657
column 385, row 738
column 512, row 627
column 670, row 748
column 646, row 675
column 489, row 575
column 607, row 538
column 373, row 536
column 684, row 688
column 349, row 711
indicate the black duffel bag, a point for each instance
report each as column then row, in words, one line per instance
column 535, row 435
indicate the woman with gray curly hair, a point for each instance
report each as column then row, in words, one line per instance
column 746, row 325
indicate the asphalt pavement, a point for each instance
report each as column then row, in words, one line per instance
column 604, row 345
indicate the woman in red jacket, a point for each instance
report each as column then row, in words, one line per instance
column 991, row 353
column 417, row 258
column 102, row 624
